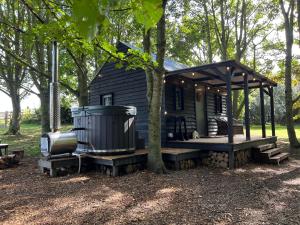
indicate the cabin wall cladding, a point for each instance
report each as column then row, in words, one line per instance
column 189, row 104
column 221, row 159
column 128, row 88
column 211, row 112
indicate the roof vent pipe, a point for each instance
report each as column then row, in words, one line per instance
column 54, row 91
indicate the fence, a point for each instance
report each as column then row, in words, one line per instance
column 4, row 119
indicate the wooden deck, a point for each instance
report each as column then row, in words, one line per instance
column 176, row 153
column 173, row 155
column 221, row 143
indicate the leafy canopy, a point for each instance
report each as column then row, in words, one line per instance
column 91, row 16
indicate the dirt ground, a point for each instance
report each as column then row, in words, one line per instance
column 254, row 194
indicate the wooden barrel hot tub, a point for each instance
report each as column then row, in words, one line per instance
column 105, row 129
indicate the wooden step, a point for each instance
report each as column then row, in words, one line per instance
column 272, row 151
column 279, row 157
column 265, row 147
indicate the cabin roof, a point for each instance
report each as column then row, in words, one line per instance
column 215, row 75
column 169, row 64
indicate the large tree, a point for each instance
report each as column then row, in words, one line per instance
column 13, row 75
column 154, row 94
column 288, row 15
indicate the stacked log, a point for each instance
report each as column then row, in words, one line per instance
column 216, row 159
column 242, row 157
column 9, row 161
column 187, row 164
column 127, row 169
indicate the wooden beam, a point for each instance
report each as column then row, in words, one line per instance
column 238, row 83
column 229, row 106
column 203, row 79
column 267, row 92
column 272, row 110
column 247, row 113
column 262, row 111
column 252, row 87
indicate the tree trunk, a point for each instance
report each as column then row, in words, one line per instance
column 154, row 95
column 82, row 89
column 288, row 24
column 298, row 18
column 14, row 126
column 208, row 36
column 155, row 162
column 289, row 96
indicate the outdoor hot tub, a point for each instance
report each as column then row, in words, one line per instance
column 105, row 129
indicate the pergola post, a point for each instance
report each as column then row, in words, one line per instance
column 229, row 105
column 262, row 110
column 272, row 111
column 247, row 113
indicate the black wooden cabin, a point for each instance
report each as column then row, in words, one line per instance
column 194, row 98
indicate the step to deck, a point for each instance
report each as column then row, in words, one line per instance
column 265, row 147
column 279, row 157
column 272, row 152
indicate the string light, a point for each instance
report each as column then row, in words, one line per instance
column 208, row 88
column 166, row 112
column 228, row 68
column 182, row 81
column 243, row 74
column 196, row 85
column 164, row 81
column 193, row 74
column 218, row 90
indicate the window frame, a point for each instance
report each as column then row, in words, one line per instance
column 111, row 95
column 218, row 104
column 178, row 98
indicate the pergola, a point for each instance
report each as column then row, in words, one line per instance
column 232, row 75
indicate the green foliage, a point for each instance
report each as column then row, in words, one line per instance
column 65, row 109
column 92, row 16
column 147, row 12
column 30, row 116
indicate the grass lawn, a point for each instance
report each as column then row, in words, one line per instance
column 281, row 131
column 30, row 138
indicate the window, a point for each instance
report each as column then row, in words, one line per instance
column 178, row 99
column 218, row 104
column 106, row 99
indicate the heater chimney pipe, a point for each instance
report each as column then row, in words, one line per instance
column 54, row 91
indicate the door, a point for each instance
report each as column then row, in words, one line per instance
column 200, row 110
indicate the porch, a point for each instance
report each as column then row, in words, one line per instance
column 213, row 85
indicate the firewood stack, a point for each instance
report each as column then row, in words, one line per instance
column 216, row 159
column 11, row 160
column 242, row 157
column 187, row 164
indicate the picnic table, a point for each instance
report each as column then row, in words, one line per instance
column 5, row 147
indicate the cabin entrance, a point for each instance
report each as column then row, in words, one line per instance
column 200, row 110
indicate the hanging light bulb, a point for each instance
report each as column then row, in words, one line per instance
column 164, row 81
column 196, row 85
column 208, row 88
column 182, row 81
